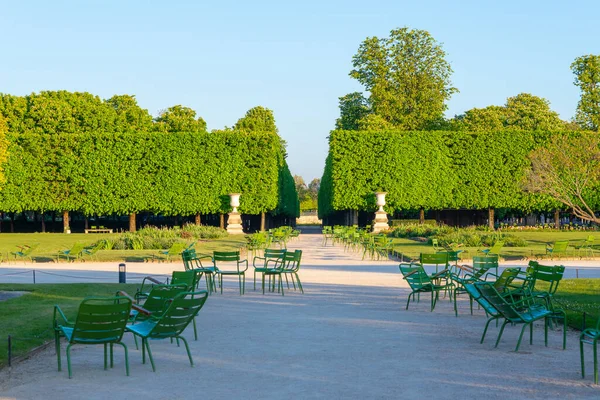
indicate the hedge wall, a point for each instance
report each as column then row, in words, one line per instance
column 431, row 170
column 166, row 173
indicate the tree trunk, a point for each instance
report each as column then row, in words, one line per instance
column 557, row 219
column 12, row 223
column 66, row 226
column 86, row 222
column 421, row 216
column 132, row 227
column 222, row 221
column 354, row 217
column 491, row 218
column 262, row 221
column 43, row 223
column 197, row 220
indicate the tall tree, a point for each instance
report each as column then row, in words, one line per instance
column 528, row 112
column 353, row 108
column 257, row 119
column 568, row 170
column 3, row 147
column 179, row 119
column 130, row 116
column 407, row 76
column 587, row 78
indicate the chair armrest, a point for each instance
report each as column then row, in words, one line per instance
column 243, row 261
column 257, row 258
column 134, row 306
column 62, row 315
column 439, row 274
column 151, row 279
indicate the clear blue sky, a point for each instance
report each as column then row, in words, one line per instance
column 223, row 58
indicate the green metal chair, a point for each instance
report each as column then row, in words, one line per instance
column 590, row 336
column 481, row 265
column 586, row 248
column 193, row 261
column 495, row 249
column 99, row 321
column 72, row 254
column 24, row 252
column 171, row 324
column 524, row 311
column 90, row 251
column 558, row 249
column 228, row 258
column 420, row 282
column 174, row 251
column 292, row 265
column 490, row 311
column 438, row 259
column 271, row 259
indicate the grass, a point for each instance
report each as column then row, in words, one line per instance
column 536, row 245
column 577, row 296
column 28, row 318
column 51, row 243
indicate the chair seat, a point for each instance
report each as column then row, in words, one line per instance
column 535, row 313
column 590, row 333
column 142, row 329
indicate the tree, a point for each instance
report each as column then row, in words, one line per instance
column 568, row 170
column 587, row 78
column 314, row 186
column 179, row 119
column 130, row 116
column 257, row 119
column 528, row 112
column 300, row 186
column 407, row 77
column 521, row 112
column 3, row 146
column 353, row 108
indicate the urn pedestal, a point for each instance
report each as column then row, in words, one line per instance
column 381, row 220
column 234, row 219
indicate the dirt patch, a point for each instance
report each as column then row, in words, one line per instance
column 7, row 295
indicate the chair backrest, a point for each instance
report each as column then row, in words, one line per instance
column 560, row 246
column 489, row 292
column 160, row 295
column 179, row 314
column 476, row 295
column 188, row 257
column 505, row 278
column 231, row 257
column 495, row 249
column 76, row 249
column 482, row 264
column 101, row 320
column 415, row 275
column 436, row 245
column 177, row 248
column 187, row 278
column 292, row 260
column 550, row 275
column 438, row 259
column 29, row 249
column 274, row 253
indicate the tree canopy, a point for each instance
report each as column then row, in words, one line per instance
column 179, row 119
column 587, row 78
column 408, row 79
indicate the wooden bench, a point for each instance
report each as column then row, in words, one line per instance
column 99, row 230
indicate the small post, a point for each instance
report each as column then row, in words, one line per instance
column 122, row 273
column 33, row 276
column 9, row 351
column 576, row 272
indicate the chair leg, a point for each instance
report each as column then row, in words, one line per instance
column 187, row 348
column 500, row 334
column 57, row 346
column 69, row 360
column 145, row 341
column 255, row 279
column 105, row 357
column 112, row 358
column 299, row 284
column 581, row 357
column 195, row 330
column 521, row 335
column 126, row 357
column 408, row 302
column 487, row 324
column 595, row 346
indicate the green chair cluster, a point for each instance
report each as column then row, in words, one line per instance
column 277, row 264
column 361, row 240
column 514, row 296
column 259, row 241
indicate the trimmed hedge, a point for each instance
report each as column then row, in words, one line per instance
column 430, row 170
column 127, row 172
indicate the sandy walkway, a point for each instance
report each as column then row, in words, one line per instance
column 348, row 336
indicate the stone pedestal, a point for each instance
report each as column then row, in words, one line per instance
column 381, row 222
column 234, row 224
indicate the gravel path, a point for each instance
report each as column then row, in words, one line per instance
column 348, row 336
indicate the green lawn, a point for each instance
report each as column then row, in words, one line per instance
column 28, row 319
column 578, row 296
column 51, row 243
column 537, row 241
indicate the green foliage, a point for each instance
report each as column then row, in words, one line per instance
column 179, row 119
column 473, row 236
column 161, row 238
column 130, row 116
column 431, row 170
column 587, row 78
column 353, row 107
column 418, row 230
column 3, row 147
column 521, row 112
column 257, row 119
column 407, row 77
column 174, row 174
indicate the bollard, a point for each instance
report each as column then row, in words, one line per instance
column 34, row 276
column 122, row 273
column 576, row 272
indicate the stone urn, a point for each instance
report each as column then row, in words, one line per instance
column 234, row 221
column 381, row 219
